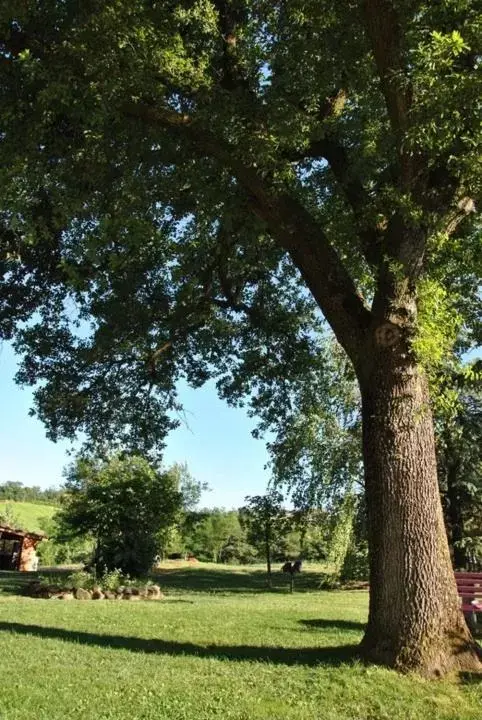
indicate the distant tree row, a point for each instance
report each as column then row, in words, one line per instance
column 225, row 536
column 18, row 492
column 262, row 530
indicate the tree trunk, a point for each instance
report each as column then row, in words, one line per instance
column 268, row 556
column 414, row 620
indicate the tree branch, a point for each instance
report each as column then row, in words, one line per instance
column 352, row 187
column 229, row 18
column 290, row 224
column 465, row 207
column 385, row 36
column 232, row 301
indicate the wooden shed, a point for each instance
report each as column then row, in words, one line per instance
column 17, row 548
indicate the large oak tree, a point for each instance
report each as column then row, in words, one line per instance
column 171, row 167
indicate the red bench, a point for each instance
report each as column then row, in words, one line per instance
column 469, row 588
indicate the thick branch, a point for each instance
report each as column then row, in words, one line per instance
column 233, row 301
column 385, row 36
column 465, row 207
column 229, row 18
column 232, row 296
column 291, row 225
column 352, row 187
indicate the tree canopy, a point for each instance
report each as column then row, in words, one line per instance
column 122, row 504
column 154, row 180
column 266, row 522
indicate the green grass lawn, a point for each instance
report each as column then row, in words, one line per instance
column 28, row 515
column 219, row 646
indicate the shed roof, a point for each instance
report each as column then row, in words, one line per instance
column 22, row 533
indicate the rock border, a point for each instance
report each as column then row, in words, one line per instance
column 36, row 589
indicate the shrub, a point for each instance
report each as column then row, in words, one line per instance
column 52, row 581
column 123, row 503
column 81, row 579
column 113, row 580
column 355, row 565
column 329, row 581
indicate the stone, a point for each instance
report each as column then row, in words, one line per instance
column 154, row 592
column 82, row 594
column 50, row 592
column 97, row 594
column 131, row 597
column 66, row 595
column 109, row 595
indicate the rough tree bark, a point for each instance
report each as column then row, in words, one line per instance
column 415, row 622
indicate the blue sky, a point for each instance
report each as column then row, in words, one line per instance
column 216, row 443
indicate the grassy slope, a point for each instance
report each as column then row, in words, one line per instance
column 28, row 514
column 218, row 646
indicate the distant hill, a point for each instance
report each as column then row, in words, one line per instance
column 28, row 515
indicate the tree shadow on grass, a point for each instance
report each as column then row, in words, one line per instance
column 12, row 584
column 10, row 588
column 329, row 624
column 329, row 656
column 470, row 678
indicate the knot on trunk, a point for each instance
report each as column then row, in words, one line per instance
column 387, row 334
